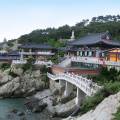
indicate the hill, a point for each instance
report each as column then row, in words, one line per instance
column 96, row 24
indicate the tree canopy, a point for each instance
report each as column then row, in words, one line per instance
column 95, row 25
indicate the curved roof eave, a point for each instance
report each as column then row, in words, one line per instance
column 93, row 39
column 112, row 43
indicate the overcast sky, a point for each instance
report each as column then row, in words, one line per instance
column 18, row 17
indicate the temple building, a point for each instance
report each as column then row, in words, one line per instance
column 8, row 57
column 93, row 45
column 88, row 54
column 38, row 51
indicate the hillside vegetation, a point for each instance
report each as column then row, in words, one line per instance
column 96, row 24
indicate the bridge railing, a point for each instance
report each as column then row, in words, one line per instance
column 84, row 84
column 88, row 83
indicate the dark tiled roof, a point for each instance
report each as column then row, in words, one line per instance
column 36, row 46
column 96, row 38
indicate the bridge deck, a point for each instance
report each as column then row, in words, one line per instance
column 86, row 85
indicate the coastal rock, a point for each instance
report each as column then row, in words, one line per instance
column 5, row 77
column 19, row 84
column 14, row 111
column 104, row 111
column 64, row 110
column 35, row 105
column 9, row 87
column 20, row 113
column 39, row 108
column 18, row 70
column 36, row 73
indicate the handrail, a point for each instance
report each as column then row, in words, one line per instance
column 86, row 85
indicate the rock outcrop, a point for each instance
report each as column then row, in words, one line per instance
column 104, row 111
column 19, row 83
column 35, row 105
column 58, row 110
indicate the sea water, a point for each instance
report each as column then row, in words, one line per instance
column 7, row 105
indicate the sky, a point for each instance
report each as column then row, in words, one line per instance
column 19, row 17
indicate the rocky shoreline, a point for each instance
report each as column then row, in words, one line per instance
column 42, row 102
column 45, row 100
column 15, row 83
column 46, row 97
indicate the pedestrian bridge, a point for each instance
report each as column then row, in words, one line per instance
column 84, row 86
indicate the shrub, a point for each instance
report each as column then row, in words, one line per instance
column 44, row 77
column 107, row 76
column 92, row 102
column 29, row 64
column 30, row 60
column 44, row 69
column 112, row 88
column 117, row 115
column 54, row 59
column 12, row 74
column 4, row 66
column 26, row 67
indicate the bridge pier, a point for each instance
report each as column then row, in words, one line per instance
column 79, row 97
column 62, row 83
column 68, row 89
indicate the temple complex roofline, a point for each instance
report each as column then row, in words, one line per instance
column 95, row 39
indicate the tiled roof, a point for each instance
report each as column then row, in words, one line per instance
column 96, row 38
column 39, row 46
